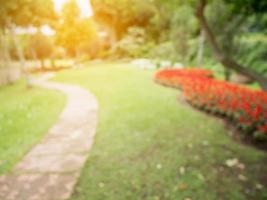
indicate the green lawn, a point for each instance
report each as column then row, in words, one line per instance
column 150, row 146
column 25, row 116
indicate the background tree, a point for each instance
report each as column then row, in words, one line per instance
column 133, row 44
column 117, row 16
column 249, row 7
column 183, row 26
column 74, row 33
column 24, row 13
column 41, row 47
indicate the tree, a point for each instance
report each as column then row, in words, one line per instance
column 132, row 44
column 41, row 47
column 24, row 13
column 246, row 7
column 117, row 16
column 73, row 32
column 228, row 26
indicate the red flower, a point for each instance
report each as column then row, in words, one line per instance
column 245, row 105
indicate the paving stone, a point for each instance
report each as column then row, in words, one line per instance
column 50, row 170
column 51, row 164
column 37, row 186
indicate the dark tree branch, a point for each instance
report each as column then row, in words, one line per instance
column 225, row 60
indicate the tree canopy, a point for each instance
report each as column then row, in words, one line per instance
column 26, row 12
column 74, row 32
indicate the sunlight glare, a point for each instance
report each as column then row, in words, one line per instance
column 84, row 5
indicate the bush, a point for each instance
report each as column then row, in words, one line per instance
column 133, row 44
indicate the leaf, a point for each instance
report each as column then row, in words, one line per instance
column 159, row 166
column 241, row 177
column 101, row 185
column 201, row 177
column 190, row 145
column 182, row 170
column 196, row 157
column 231, row 162
column 205, row 143
column 156, row 198
column 183, row 186
column 259, row 186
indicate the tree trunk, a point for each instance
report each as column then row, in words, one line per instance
column 200, row 48
column 114, row 32
column 18, row 48
column 42, row 64
column 20, row 55
column 225, row 60
column 113, row 38
column 34, row 57
column 4, row 50
column 53, row 63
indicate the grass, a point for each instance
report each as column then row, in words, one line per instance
column 150, row 146
column 24, row 120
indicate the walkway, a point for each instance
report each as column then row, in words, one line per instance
column 51, row 169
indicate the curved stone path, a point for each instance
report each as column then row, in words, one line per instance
column 50, row 170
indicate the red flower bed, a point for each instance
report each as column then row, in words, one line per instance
column 245, row 107
column 169, row 73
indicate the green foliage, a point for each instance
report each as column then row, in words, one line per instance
column 234, row 31
column 120, row 14
column 254, row 53
column 133, row 44
column 164, row 51
column 248, row 6
column 183, row 25
column 40, row 45
column 226, row 26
